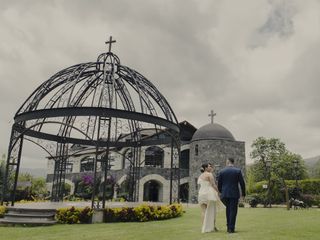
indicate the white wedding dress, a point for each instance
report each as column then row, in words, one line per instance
column 209, row 196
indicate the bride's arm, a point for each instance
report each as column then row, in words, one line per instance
column 213, row 183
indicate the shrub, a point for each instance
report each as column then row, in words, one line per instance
column 310, row 186
column 2, row 211
column 277, row 194
column 74, row 215
column 253, row 200
column 142, row 213
column 241, row 205
column 310, row 200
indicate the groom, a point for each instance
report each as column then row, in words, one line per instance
column 228, row 184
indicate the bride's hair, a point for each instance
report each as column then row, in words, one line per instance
column 204, row 166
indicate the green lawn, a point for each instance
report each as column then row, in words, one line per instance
column 257, row 224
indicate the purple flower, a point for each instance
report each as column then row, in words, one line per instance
column 87, row 179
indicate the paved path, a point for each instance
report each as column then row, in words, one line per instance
column 66, row 204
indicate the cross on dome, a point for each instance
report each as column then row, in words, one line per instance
column 212, row 115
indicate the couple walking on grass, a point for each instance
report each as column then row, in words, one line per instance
column 225, row 195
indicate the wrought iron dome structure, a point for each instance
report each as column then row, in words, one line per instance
column 103, row 105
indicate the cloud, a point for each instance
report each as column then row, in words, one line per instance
column 253, row 62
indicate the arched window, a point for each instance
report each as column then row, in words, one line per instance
column 152, row 191
column 184, row 192
column 69, row 167
column 127, row 159
column 184, row 160
column 154, row 156
column 87, row 164
column 196, row 150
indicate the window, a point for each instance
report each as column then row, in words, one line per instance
column 196, row 150
column 154, row 156
column 87, row 164
column 127, row 159
column 184, row 160
column 196, row 182
column 69, row 167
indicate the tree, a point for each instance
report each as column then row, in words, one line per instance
column 37, row 190
column 282, row 163
column 2, row 172
column 281, row 159
column 284, row 169
column 264, row 150
column 267, row 150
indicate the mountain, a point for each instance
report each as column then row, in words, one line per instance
column 310, row 162
column 36, row 172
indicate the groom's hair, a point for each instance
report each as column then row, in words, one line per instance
column 231, row 160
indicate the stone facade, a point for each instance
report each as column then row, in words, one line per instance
column 210, row 148
column 214, row 151
column 119, row 170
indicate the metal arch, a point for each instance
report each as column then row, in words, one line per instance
column 24, row 131
column 95, row 111
column 39, row 145
column 44, row 89
column 150, row 89
column 134, row 78
column 70, row 92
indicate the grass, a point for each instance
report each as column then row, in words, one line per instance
column 252, row 223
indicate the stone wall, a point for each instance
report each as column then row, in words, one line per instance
column 216, row 152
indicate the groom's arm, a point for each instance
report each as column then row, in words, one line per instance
column 242, row 184
column 220, row 182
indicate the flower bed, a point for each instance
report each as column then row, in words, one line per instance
column 2, row 211
column 142, row 213
column 74, row 215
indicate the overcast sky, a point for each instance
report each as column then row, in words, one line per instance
column 254, row 62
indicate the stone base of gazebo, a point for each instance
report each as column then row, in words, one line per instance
column 29, row 216
column 37, row 213
column 42, row 213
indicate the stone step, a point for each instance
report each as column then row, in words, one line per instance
column 34, row 211
column 29, row 216
column 28, row 221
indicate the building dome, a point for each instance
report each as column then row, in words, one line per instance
column 212, row 131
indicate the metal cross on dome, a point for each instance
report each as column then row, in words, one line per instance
column 212, row 115
column 110, row 43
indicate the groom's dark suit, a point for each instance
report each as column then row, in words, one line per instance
column 228, row 184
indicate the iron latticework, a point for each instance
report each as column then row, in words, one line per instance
column 101, row 105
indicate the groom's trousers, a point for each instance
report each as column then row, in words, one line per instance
column 231, row 212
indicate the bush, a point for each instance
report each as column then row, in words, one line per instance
column 142, row 213
column 310, row 186
column 241, row 205
column 253, row 200
column 277, row 194
column 2, row 211
column 310, row 200
column 74, row 215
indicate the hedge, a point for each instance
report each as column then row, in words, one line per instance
column 2, row 211
column 309, row 190
column 74, row 215
column 307, row 186
column 142, row 213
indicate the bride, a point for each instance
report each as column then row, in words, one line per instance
column 208, row 198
